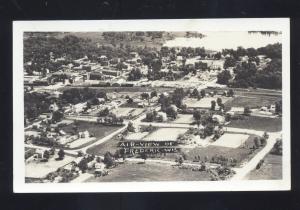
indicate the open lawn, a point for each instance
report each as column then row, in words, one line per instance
column 136, row 136
column 97, row 130
column 184, row 118
column 165, row 134
column 258, row 123
column 204, row 102
column 132, row 171
column 126, row 112
column 231, row 140
column 107, row 146
column 253, row 101
column 271, row 169
column 36, row 169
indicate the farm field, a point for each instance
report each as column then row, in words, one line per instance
column 133, row 171
column 271, row 169
column 35, row 169
column 258, row 123
column 254, row 101
column 231, row 140
column 204, row 102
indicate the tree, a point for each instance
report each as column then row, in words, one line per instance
column 230, row 93
column 150, row 116
column 153, row 94
column 256, row 142
column 202, row 92
column 278, row 107
column 145, row 96
column 265, row 135
column 83, row 165
column 219, row 101
column 178, row 96
column 135, row 74
column 195, row 93
column 197, row 116
column 224, row 77
column 171, row 112
column 180, row 160
column 229, row 62
column 144, row 156
column 61, row 154
column 103, row 112
column 129, row 100
column 46, row 155
column 247, row 111
column 130, row 127
column 213, row 105
column 57, row 116
column 108, row 160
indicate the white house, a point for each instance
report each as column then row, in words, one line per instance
column 218, row 118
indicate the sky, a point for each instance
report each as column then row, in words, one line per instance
column 221, row 40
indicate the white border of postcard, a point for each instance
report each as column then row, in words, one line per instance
column 261, row 24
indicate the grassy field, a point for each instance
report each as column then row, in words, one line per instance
column 271, row 169
column 101, row 149
column 240, row 153
column 254, row 101
column 258, row 123
column 132, row 171
column 97, row 130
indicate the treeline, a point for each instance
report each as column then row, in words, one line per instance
column 270, row 51
column 78, row 95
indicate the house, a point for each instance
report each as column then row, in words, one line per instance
column 53, row 107
column 39, row 154
column 218, row 118
column 84, row 134
column 162, row 116
column 264, row 108
column 237, row 110
column 272, row 108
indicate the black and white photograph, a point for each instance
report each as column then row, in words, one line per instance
column 151, row 105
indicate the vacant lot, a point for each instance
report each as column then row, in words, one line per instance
column 36, row 169
column 204, row 102
column 253, row 101
column 165, row 134
column 258, row 123
column 132, row 171
column 231, row 140
column 271, row 169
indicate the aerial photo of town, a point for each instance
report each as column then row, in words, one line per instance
column 152, row 106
